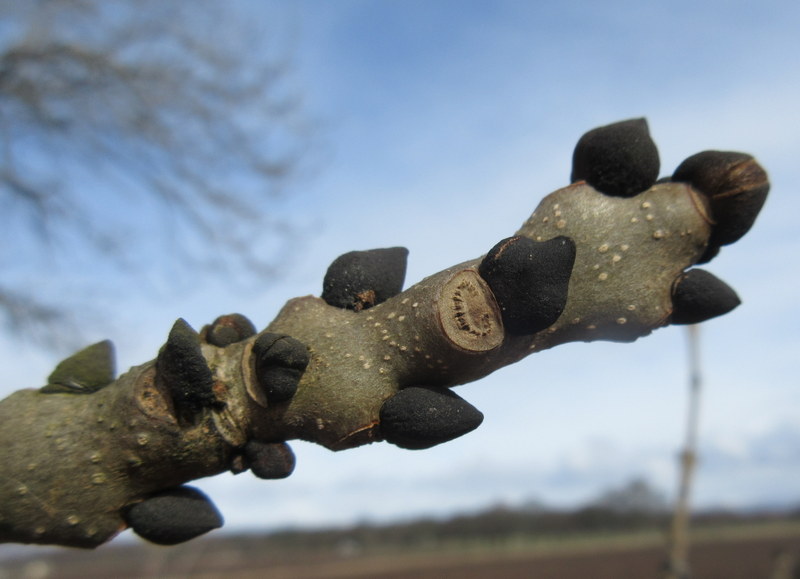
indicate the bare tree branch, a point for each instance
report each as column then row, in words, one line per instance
column 605, row 258
column 128, row 102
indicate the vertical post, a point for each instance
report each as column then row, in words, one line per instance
column 678, row 543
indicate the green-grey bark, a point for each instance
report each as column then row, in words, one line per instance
column 73, row 463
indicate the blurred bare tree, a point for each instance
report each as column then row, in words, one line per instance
column 133, row 126
column 636, row 496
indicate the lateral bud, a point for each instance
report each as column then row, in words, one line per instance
column 421, row 417
column 530, row 280
column 279, row 362
column 173, row 516
column 736, row 186
column 227, row 330
column 84, row 372
column 182, row 369
column 269, row 460
column 618, row 159
column 698, row 296
column 361, row 279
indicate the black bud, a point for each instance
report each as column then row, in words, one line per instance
column 618, row 159
column 530, row 280
column 182, row 369
column 229, row 329
column 737, row 188
column 279, row 363
column 273, row 460
column 361, row 279
column 698, row 296
column 173, row 516
column 84, row 372
column 417, row 417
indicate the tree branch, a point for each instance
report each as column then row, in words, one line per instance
column 136, row 106
column 605, row 258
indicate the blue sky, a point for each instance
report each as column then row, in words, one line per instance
column 442, row 125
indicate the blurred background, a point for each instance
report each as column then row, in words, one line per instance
column 165, row 160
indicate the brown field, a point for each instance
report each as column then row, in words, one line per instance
column 743, row 551
column 725, row 560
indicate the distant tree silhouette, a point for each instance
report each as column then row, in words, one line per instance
column 636, row 496
column 127, row 126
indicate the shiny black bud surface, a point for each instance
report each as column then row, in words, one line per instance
column 417, row 417
column 173, row 516
column 280, row 361
column 229, row 329
column 736, row 186
column 698, row 296
column 269, row 460
column 618, row 159
column 184, row 372
column 359, row 280
column 530, row 281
